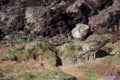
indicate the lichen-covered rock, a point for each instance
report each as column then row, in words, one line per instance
column 34, row 19
column 80, row 31
column 67, row 52
column 33, row 14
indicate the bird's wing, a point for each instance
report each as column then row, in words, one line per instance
column 98, row 45
column 91, row 45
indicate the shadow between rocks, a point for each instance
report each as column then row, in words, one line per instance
column 101, row 53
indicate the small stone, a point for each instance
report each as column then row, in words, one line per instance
column 80, row 31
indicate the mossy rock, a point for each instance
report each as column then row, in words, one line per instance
column 3, row 56
column 46, row 52
column 68, row 53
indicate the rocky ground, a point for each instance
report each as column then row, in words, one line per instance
column 40, row 39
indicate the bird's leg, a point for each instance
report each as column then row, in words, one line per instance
column 86, row 57
column 94, row 54
column 75, row 60
column 89, row 56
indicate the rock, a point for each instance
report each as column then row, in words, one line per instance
column 67, row 52
column 34, row 14
column 80, row 31
column 34, row 19
column 116, row 48
column 57, row 40
column 55, row 23
column 4, row 2
column 105, row 19
column 30, row 46
column 10, row 22
column 58, row 21
column 74, row 8
column 88, row 7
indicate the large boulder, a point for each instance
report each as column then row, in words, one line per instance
column 33, row 14
column 10, row 22
column 88, row 7
column 80, row 31
column 34, row 19
column 106, row 19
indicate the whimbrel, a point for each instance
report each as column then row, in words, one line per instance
column 91, row 46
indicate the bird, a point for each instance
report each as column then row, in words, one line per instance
column 91, row 46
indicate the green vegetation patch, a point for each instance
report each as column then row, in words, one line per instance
column 3, row 56
column 8, row 78
column 103, row 38
column 53, row 75
column 20, row 37
column 42, row 44
column 105, row 48
column 19, row 55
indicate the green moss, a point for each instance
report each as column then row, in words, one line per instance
column 40, row 76
column 105, row 48
column 3, row 56
column 8, row 78
column 42, row 44
column 19, row 37
column 75, row 50
column 103, row 38
column 47, row 76
column 43, row 50
column 20, row 55
column 50, row 56
column 72, row 48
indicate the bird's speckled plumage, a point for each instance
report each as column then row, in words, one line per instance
column 90, row 46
